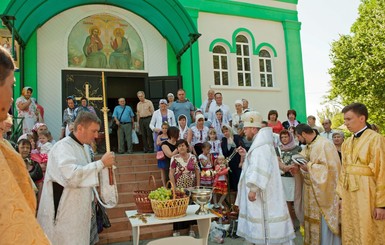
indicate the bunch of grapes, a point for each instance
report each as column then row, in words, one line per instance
column 161, row 194
column 179, row 193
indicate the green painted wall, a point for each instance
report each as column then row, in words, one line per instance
column 190, row 68
column 3, row 5
column 30, row 67
column 228, row 7
column 288, row 1
column 171, row 61
column 295, row 68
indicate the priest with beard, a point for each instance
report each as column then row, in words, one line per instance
column 263, row 214
column 320, row 175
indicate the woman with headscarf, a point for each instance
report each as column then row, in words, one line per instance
column 230, row 142
column 200, row 134
column 185, row 132
column 170, row 98
column 68, row 116
column 84, row 106
column 26, row 108
column 291, row 179
column 159, row 117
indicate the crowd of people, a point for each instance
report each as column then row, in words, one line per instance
column 279, row 172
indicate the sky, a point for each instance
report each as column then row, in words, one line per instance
column 322, row 23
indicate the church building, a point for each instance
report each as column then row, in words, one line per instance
column 247, row 49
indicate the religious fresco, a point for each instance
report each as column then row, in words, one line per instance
column 6, row 42
column 105, row 41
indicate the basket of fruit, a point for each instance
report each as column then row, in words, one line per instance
column 169, row 204
column 143, row 203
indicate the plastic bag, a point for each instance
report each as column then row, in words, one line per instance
column 135, row 139
column 218, row 232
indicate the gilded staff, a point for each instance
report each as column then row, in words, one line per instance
column 106, row 128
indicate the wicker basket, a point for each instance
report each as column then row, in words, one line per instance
column 170, row 209
column 143, row 203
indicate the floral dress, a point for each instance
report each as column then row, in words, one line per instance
column 185, row 176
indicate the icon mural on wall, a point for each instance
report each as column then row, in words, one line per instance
column 6, row 42
column 105, row 41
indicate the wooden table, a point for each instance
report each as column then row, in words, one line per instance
column 204, row 222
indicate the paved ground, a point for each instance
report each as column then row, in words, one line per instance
column 238, row 241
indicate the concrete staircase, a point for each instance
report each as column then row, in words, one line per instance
column 132, row 174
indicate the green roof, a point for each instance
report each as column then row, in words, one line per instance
column 169, row 17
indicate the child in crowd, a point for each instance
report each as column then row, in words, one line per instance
column 161, row 160
column 206, row 165
column 218, row 123
column 45, row 144
column 220, row 181
column 215, row 143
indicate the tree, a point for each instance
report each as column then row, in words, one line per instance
column 358, row 71
column 333, row 113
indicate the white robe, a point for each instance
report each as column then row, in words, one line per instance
column 69, row 164
column 266, row 220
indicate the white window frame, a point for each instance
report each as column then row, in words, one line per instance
column 265, row 73
column 242, row 56
column 221, row 68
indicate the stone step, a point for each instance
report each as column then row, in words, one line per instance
column 133, row 159
column 137, row 175
column 132, row 174
column 136, row 168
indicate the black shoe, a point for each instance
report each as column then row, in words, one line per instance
column 145, row 151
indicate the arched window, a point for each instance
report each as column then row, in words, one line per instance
column 265, row 69
column 243, row 61
column 221, row 70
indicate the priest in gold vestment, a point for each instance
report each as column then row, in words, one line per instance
column 362, row 181
column 18, row 224
column 321, row 202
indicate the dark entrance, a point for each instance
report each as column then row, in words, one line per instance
column 118, row 85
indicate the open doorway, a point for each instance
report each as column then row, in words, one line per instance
column 124, row 85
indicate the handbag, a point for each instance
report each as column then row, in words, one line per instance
column 102, row 219
column 114, row 126
column 160, row 155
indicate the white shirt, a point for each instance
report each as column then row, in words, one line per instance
column 156, row 119
column 225, row 110
column 328, row 135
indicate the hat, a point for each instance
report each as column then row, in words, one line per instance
column 252, row 119
column 170, row 95
column 199, row 116
column 238, row 102
column 37, row 126
column 162, row 101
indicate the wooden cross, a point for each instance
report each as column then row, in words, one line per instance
column 87, row 88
